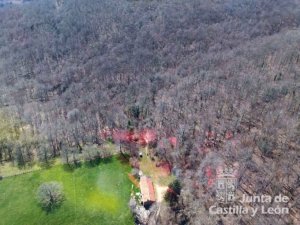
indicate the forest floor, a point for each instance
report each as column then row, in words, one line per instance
column 96, row 194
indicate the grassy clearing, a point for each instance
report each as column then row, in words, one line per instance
column 156, row 173
column 7, row 169
column 161, row 179
column 94, row 195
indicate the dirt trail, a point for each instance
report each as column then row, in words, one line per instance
column 160, row 192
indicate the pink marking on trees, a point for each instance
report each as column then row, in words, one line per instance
column 148, row 135
column 122, row 136
column 228, row 135
column 203, row 149
column 173, row 141
column 210, row 176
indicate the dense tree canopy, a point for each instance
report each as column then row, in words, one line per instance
column 222, row 77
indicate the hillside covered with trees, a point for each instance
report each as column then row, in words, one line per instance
column 221, row 77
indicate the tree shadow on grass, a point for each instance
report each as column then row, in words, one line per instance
column 26, row 165
column 92, row 163
column 106, row 160
column 48, row 164
column 51, row 210
column 98, row 161
column 71, row 167
column 123, row 158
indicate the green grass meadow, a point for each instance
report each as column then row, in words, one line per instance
column 93, row 195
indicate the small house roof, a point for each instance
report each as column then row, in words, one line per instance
column 147, row 189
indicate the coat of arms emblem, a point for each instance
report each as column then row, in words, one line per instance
column 226, row 184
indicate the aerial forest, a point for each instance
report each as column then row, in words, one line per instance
column 221, row 79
